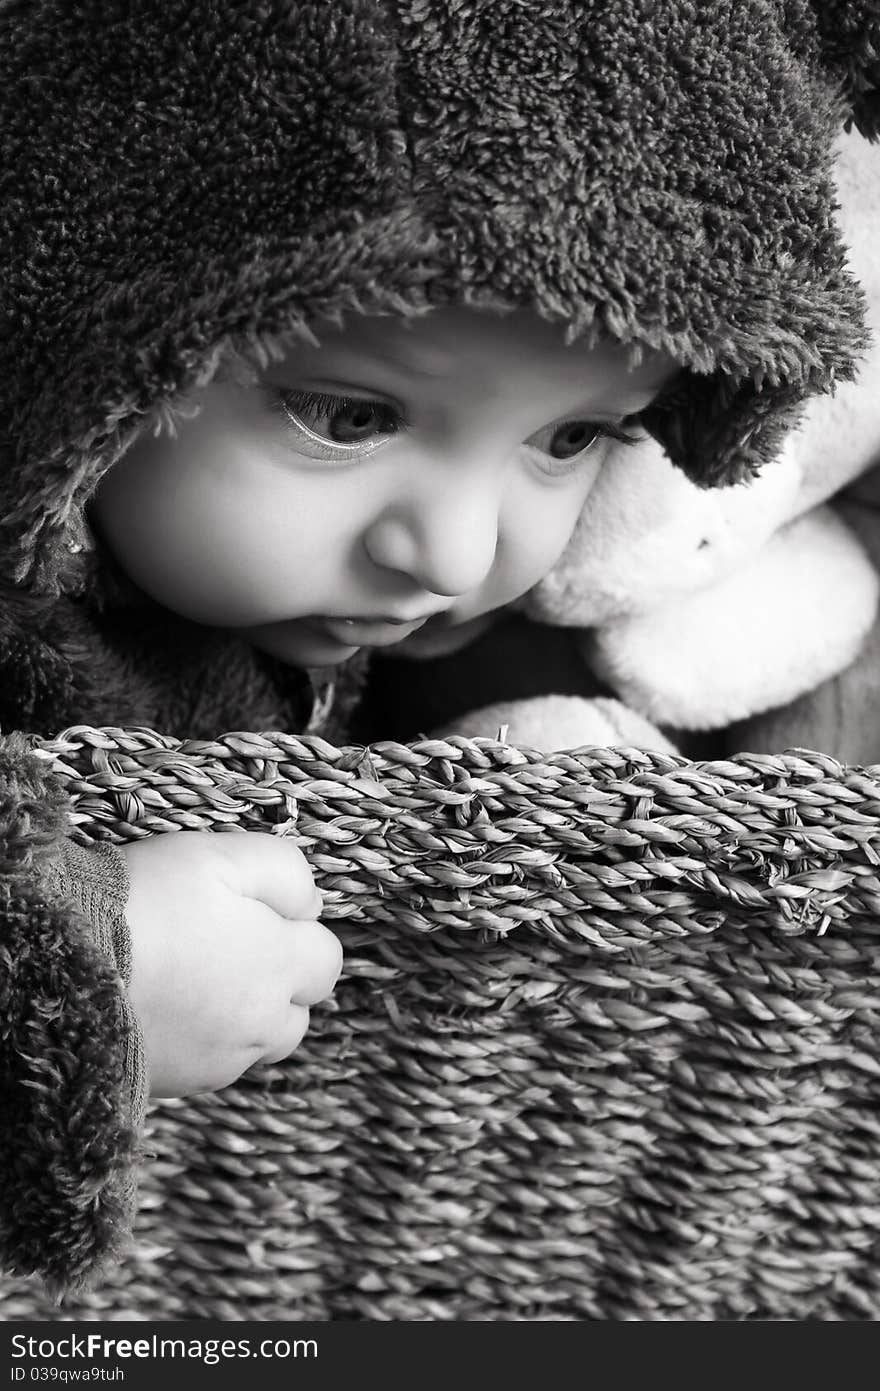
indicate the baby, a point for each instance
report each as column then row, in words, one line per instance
column 387, row 482
column 319, row 328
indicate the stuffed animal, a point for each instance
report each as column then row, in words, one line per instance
column 555, row 722
column 702, row 607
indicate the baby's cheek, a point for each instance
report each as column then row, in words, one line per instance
column 162, row 530
column 530, row 551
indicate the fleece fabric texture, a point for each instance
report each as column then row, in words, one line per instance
column 67, row 1142
column 184, row 182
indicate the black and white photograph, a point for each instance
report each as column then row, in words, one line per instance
column 439, row 673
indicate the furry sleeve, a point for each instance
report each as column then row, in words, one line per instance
column 67, row 1143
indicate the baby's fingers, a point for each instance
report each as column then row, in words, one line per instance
column 270, row 870
column 289, row 1036
column 316, row 961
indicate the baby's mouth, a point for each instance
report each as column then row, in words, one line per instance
column 369, row 632
column 442, row 635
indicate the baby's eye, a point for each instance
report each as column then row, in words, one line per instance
column 332, row 427
column 565, row 443
column 568, row 440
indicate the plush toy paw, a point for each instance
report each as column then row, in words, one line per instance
column 553, row 723
column 793, row 618
column 840, row 717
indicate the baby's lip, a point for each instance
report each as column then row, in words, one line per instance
column 443, row 636
column 393, row 619
column 368, row 632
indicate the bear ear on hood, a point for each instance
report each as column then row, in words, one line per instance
column 698, row 419
column 847, row 47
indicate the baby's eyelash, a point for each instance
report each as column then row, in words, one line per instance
column 287, row 400
column 322, row 403
column 621, row 435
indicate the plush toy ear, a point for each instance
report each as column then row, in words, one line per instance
column 848, row 34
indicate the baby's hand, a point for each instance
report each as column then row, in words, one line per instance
column 227, row 954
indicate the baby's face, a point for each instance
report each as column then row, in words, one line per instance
column 399, row 479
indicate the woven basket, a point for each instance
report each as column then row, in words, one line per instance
column 606, row 1045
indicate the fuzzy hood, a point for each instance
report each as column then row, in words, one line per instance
column 183, row 179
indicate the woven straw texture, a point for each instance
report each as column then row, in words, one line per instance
column 605, row 1047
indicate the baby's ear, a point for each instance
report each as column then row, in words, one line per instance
column 848, row 33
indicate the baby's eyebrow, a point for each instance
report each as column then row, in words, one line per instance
column 416, row 362
column 644, row 397
column 617, row 409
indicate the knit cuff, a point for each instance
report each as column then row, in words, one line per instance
column 96, row 881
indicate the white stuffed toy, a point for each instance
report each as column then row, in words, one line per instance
column 701, row 607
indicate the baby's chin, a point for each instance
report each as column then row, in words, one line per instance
column 299, row 644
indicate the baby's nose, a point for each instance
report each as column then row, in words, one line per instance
column 445, row 542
